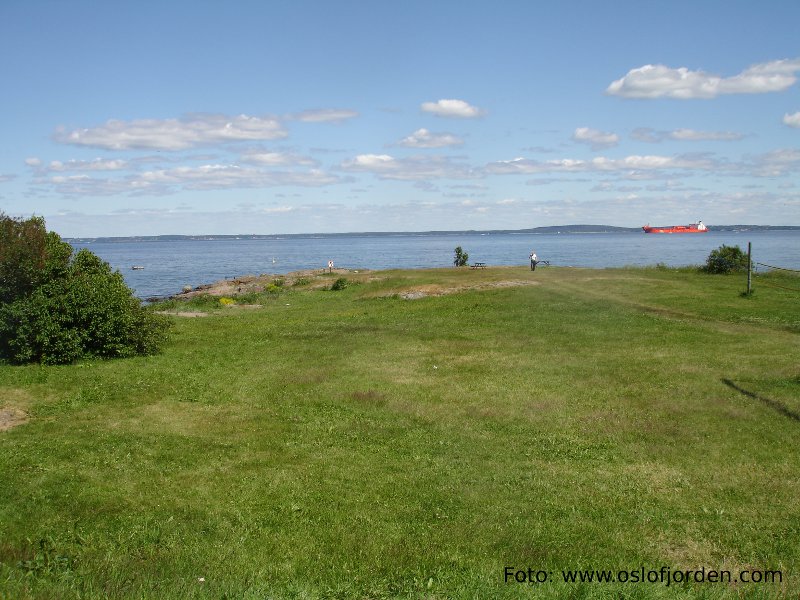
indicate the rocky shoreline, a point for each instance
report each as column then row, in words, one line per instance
column 247, row 284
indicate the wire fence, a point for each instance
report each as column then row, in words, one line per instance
column 771, row 284
column 774, row 267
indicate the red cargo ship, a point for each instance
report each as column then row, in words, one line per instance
column 693, row 228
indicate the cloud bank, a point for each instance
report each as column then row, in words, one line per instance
column 659, row 81
column 174, row 134
column 645, row 134
column 415, row 168
column 601, row 164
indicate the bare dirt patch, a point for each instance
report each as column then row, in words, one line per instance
column 13, row 410
column 423, row 291
column 11, row 416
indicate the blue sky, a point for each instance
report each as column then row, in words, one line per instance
column 147, row 118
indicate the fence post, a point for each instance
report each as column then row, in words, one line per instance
column 749, row 269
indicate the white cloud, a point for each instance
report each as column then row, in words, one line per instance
column 370, row 162
column 409, row 169
column 324, row 115
column 422, row 138
column 712, row 136
column 84, row 185
column 597, row 140
column 174, row 134
column 452, row 108
column 209, row 177
column 6, row 177
column 600, row 164
column 278, row 209
column 659, row 81
column 266, row 158
column 792, row 120
column 168, row 181
column 776, row 163
column 57, row 166
column 645, row 134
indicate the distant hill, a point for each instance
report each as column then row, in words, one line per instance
column 535, row 230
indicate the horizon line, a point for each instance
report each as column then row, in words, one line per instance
column 425, row 232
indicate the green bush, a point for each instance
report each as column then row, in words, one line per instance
column 726, row 259
column 249, row 298
column 58, row 308
column 339, row 284
column 460, row 258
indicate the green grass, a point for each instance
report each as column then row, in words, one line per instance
column 356, row 444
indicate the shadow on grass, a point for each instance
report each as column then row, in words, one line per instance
column 773, row 404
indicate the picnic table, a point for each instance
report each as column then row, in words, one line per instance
column 478, row 265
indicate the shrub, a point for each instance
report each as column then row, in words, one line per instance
column 29, row 256
column 726, row 259
column 339, row 284
column 460, row 259
column 249, row 298
column 58, row 308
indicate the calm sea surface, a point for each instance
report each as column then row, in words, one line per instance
column 170, row 265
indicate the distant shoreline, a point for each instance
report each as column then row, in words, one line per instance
column 565, row 229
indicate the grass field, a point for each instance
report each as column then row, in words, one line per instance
column 413, row 435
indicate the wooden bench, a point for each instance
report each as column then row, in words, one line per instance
column 478, row 265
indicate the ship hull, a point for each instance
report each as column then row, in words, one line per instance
column 675, row 229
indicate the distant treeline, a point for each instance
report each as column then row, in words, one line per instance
column 550, row 229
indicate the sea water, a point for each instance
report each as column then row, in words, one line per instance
column 169, row 265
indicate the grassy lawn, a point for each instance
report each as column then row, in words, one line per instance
column 413, row 435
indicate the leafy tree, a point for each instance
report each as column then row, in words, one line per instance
column 22, row 256
column 58, row 308
column 460, row 258
column 726, row 259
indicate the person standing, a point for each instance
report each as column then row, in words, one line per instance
column 534, row 260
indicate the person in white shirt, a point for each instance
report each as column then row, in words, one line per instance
column 534, row 260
